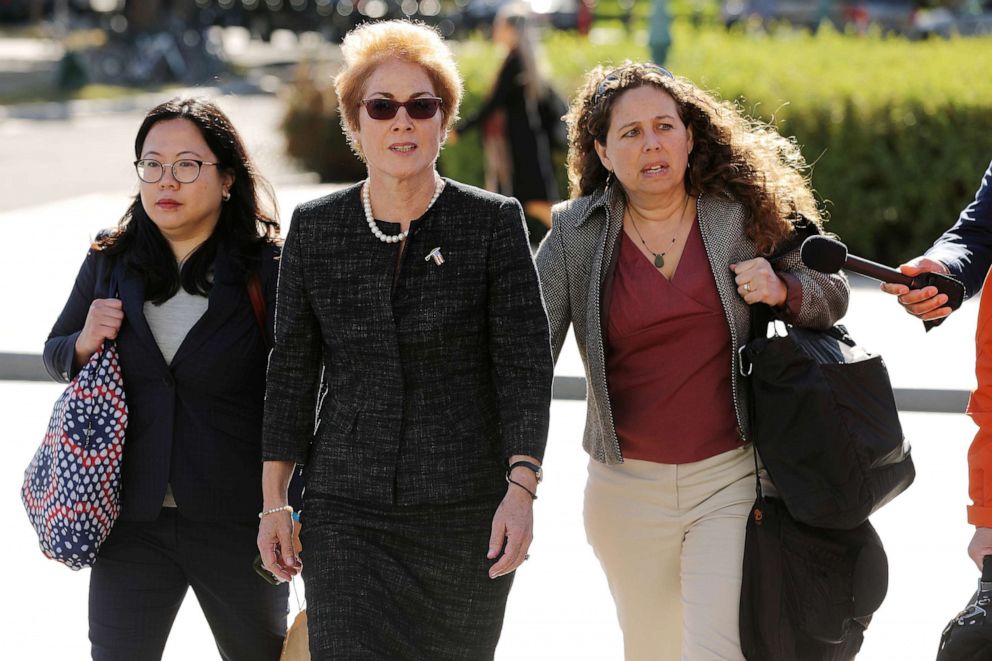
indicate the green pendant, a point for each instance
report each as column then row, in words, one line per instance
column 659, row 260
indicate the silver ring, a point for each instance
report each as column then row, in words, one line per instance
column 747, row 287
column 526, row 557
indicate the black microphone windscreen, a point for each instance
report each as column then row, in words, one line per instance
column 823, row 254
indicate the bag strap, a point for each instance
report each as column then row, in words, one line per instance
column 258, row 305
column 113, row 291
column 761, row 316
column 754, row 450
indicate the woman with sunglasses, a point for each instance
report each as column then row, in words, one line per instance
column 410, row 327
column 185, row 284
column 685, row 214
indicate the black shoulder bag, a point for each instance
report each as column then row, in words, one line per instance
column 825, row 423
column 809, row 591
column 824, row 420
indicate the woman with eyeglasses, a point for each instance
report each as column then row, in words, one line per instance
column 411, row 375
column 185, row 284
column 684, row 214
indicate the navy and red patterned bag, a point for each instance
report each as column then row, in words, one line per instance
column 72, row 486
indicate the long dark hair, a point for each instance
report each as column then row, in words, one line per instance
column 244, row 225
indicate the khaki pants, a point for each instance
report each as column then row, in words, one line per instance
column 671, row 541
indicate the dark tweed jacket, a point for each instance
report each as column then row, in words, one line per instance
column 576, row 261
column 434, row 374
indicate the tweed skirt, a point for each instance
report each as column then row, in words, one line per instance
column 401, row 583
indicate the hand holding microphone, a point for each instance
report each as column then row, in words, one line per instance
column 926, row 294
column 927, row 303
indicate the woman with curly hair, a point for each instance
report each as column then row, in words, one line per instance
column 684, row 214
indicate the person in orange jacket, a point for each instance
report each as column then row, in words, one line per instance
column 980, row 453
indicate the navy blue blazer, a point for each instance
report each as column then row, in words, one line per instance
column 966, row 248
column 196, row 422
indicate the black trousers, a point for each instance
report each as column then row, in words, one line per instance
column 144, row 571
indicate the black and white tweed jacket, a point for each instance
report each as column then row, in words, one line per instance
column 435, row 373
column 577, row 257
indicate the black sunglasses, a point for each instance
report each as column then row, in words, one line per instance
column 422, row 107
column 614, row 76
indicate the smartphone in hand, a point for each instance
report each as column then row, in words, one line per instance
column 266, row 575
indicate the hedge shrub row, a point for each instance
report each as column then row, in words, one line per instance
column 898, row 132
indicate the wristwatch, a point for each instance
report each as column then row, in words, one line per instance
column 538, row 471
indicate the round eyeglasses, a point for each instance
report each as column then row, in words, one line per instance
column 422, row 107
column 185, row 170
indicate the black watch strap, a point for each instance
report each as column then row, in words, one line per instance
column 528, row 465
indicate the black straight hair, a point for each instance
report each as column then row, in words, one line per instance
column 244, row 225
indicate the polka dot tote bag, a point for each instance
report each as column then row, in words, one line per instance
column 72, row 486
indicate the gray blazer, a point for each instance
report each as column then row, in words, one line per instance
column 434, row 374
column 576, row 261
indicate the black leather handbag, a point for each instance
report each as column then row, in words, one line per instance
column 825, row 423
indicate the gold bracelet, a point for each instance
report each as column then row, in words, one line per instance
column 284, row 508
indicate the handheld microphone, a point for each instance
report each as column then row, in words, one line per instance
column 827, row 255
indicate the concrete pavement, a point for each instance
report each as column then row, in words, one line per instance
column 560, row 608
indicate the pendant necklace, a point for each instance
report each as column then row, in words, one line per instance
column 659, row 258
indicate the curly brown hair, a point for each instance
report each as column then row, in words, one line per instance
column 733, row 156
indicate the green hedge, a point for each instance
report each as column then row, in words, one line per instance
column 898, row 132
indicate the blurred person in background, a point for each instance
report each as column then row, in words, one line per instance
column 171, row 284
column 417, row 299
column 515, row 137
column 660, row 31
column 684, row 214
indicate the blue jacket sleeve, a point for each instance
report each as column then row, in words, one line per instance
column 60, row 347
column 966, row 248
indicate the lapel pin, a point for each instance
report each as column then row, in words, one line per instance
column 436, row 256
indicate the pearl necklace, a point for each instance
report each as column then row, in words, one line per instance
column 370, row 219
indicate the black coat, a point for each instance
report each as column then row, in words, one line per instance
column 533, row 171
column 197, row 422
column 435, row 375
